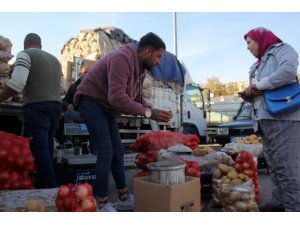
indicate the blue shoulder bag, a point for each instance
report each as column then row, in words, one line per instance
column 283, row 99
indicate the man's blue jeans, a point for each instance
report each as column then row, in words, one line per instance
column 40, row 124
column 105, row 141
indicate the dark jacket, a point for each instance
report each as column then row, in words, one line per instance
column 69, row 97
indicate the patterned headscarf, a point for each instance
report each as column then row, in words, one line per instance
column 264, row 37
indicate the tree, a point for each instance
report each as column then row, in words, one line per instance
column 231, row 88
column 215, row 86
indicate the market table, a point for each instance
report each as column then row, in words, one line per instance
column 17, row 199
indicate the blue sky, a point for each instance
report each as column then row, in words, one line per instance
column 209, row 43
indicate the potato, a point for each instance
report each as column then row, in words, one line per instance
column 228, row 200
column 217, row 174
column 234, row 196
column 227, row 181
column 230, row 208
column 224, row 168
column 35, row 205
column 233, row 174
column 252, row 206
column 243, row 177
column 241, row 206
column 236, row 182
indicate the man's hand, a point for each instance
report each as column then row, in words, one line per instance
column 161, row 115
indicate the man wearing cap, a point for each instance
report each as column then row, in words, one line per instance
column 37, row 74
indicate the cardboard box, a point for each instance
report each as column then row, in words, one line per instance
column 154, row 197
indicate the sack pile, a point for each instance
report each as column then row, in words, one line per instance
column 92, row 44
column 5, row 56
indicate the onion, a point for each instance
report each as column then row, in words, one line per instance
column 63, row 191
column 82, row 192
column 88, row 205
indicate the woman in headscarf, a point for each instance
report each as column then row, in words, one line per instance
column 276, row 66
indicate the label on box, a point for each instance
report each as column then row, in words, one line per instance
column 85, row 176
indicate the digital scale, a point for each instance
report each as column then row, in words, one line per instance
column 75, row 129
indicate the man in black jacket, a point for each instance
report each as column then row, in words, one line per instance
column 71, row 115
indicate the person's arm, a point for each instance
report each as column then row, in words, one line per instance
column 20, row 73
column 119, row 73
column 287, row 62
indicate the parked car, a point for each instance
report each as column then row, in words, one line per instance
column 239, row 128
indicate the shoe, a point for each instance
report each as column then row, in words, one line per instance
column 268, row 207
column 108, row 207
column 60, row 147
column 126, row 205
column 68, row 145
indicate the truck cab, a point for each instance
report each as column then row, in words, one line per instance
column 194, row 116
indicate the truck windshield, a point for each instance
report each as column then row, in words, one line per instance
column 194, row 96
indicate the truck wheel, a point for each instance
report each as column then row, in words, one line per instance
column 192, row 130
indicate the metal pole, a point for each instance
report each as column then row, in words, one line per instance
column 175, row 33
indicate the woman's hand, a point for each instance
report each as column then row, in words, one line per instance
column 243, row 95
column 250, row 92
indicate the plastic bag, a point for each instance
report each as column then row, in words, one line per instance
column 207, row 163
column 239, row 198
column 254, row 149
